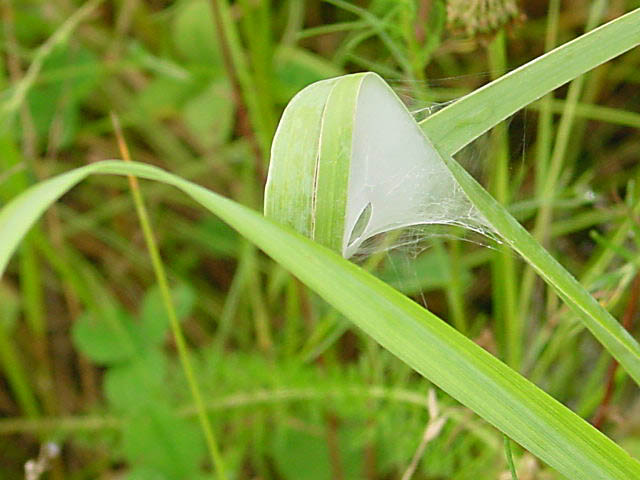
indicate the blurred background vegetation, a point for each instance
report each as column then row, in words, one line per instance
column 86, row 361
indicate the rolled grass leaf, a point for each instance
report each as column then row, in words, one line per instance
column 430, row 346
column 369, row 153
column 362, row 167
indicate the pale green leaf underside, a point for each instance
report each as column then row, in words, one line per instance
column 362, row 153
column 430, row 346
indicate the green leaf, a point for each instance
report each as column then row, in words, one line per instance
column 609, row 332
column 144, row 473
column 461, row 368
column 302, row 455
column 154, row 320
column 368, row 170
column 138, row 382
column 209, row 115
column 429, row 271
column 364, row 127
column 71, row 76
column 158, row 439
column 299, row 149
column 105, row 339
column 194, row 34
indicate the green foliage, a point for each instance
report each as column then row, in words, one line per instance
column 165, row 444
column 431, row 270
column 294, row 388
column 70, row 77
column 10, row 307
column 103, row 341
column 153, row 316
column 194, row 35
column 305, row 455
column 154, row 439
column 138, row 383
column 416, row 336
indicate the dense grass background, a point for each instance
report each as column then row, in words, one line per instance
column 294, row 392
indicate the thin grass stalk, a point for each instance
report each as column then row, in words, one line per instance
column 254, row 290
column 600, row 262
column 455, row 288
column 260, row 52
column 238, row 68
column 17, row 378
column 546, row 187
column 545, row 118
column 503, row 269
column 28, row 267
column 234, row 295
column 379, row 27
column 458, row 124
column 543, row 149
column 610, row 383
column 600, row 113
column 439, row 352
column 20, row 91
column 291, row 329
column 34, row 314
column 509, row 455
column 259, row 310
column 163, row 284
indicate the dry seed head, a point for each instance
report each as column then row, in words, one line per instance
column 481, row 16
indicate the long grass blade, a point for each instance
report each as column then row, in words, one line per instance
column 460, row 367
column 457, row 125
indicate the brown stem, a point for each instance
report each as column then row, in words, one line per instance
column 627, row 322
column 332, row 424
column 333, row 445
column 421, row 21
column 243, row 125
column 370, row 457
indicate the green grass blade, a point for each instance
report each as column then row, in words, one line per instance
column 609, row 332
column 460, row 123
column 430, row 346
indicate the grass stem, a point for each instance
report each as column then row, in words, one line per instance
column 158, row 268
column 509, row 455
column 503, row 269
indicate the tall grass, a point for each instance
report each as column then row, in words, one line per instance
column 280, row 383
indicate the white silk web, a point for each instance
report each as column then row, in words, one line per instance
column 397, row 179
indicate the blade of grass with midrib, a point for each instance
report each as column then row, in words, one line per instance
column 430, row 346
column 458, row 124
